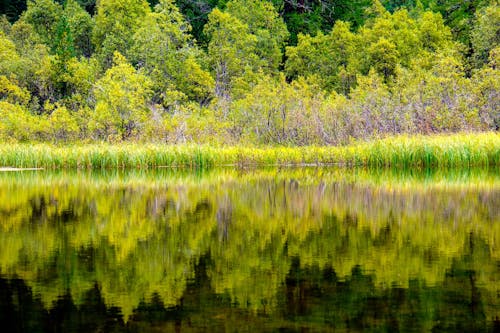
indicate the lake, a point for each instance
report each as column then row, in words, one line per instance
column 259, row 250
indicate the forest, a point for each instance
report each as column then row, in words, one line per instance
column 249, row 165
column 247, row 72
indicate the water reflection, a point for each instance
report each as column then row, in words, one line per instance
column 276, row 249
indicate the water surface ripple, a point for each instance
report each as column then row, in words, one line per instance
column 306, row 249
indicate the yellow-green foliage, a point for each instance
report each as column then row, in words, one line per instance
column 397, row 72
column 16, row 123
column 10, row 92
column 147, row 229
column 121, row 101
column 477, row 149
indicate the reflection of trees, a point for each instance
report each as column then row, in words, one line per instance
column 22, row 312
column 310, row 297
column 224, row 218
column 263, row 232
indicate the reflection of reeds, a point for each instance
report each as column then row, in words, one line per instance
column 384, row 178
column 478, row 149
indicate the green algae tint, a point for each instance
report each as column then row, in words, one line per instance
column 312, row 249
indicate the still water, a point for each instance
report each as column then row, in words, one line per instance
column 289, row 250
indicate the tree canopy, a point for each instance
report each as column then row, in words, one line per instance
column 260, row 71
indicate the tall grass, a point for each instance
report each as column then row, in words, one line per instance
column 478, row 149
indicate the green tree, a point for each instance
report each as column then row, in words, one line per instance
column 88, row 5
column 485, row 34
column 384, row 58
column 122, row 97
column 63, row 125
column 370, row 107
column 165, row 50
column 196, row 13
column 325, row 56
column 459, row 15
column 81, row 26
column 389, row 39
column 36, row 69
column 63, row 47
column 433, row 33
column 17, row 123
column 311, row 16
column 10, row 92
column 79, row 78
column 116, row 22
column 10, row 60
column 486, row 83
column 385, row 41
column 268, row 27
column 231, row 50
column 44, row 16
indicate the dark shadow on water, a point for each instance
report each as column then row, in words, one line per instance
column 311, row 299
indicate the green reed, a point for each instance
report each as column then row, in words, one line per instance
column 472, row 149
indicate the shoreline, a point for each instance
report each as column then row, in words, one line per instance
column 10, row 169
column 455, row 150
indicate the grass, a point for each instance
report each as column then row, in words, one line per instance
column 457, row 150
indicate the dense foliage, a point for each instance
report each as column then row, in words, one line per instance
column 254, row 72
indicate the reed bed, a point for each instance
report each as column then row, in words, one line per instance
column 457, row 150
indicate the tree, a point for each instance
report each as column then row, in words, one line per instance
column 116, row 22
column 81, row 26
column 63, row 47
column 399, row 29
column 16, row 123
column 351, row 11
column 88, row 5
column 402, row 39
column 438, row 95
column 325, row 56
column 79, row 80
column 44, row 16
column 485, row 34
column 63, row 125
column 486, row 83
column 433, row 33
column 122, row 97
column 9, row 58
column 385, row 41
column 311, row 16
column 10, row 92
column 231, row 50
column 163, row 47
column 384, row 58
column 459, row 15
column 268, row 27
column 196, row 13
column 369, row 108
